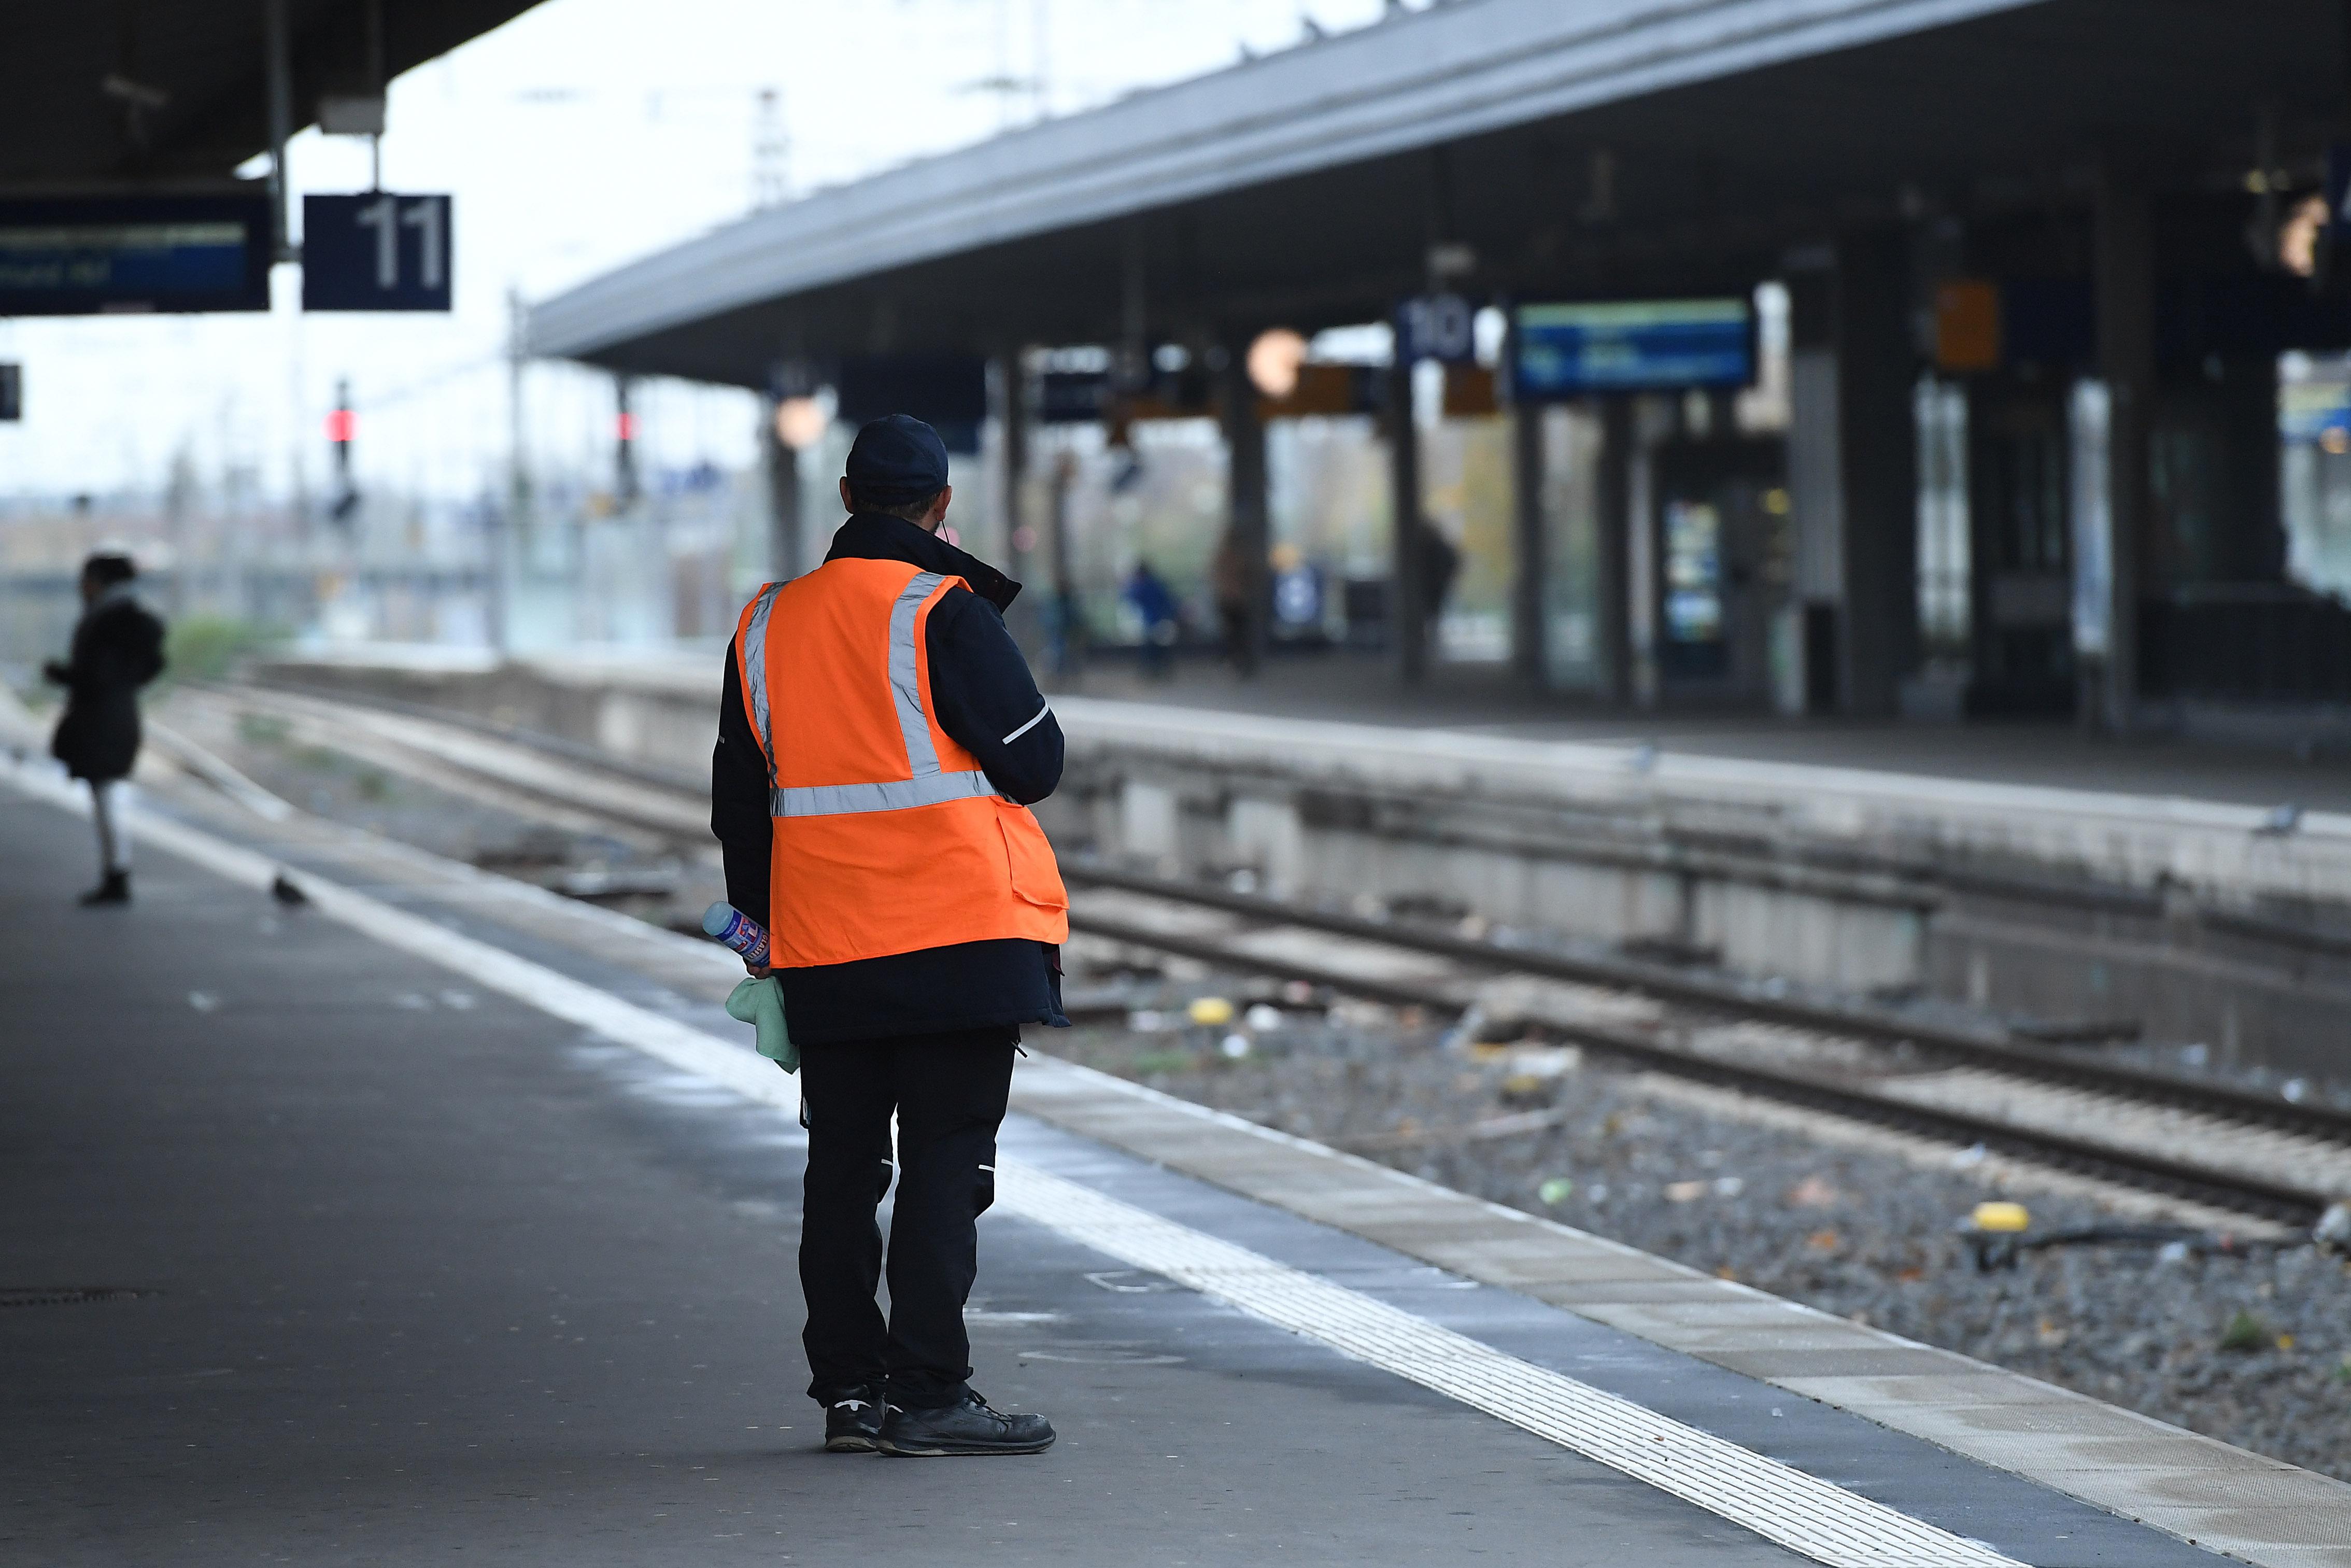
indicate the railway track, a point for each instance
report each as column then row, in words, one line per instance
column 2209, row 1144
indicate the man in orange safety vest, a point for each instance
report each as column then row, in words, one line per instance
column 880, row 741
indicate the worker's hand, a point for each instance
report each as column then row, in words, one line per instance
column 756, row 971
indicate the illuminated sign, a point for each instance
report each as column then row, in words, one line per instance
column 1627, row 346
column 94, row 255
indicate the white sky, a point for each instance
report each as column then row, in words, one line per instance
column 582, row 134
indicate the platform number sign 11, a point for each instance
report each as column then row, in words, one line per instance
column 377, row 251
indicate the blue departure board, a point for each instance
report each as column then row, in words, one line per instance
column 1634, row 345
column 101, row 255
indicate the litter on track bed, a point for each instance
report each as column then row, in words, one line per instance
column 2252, row 1348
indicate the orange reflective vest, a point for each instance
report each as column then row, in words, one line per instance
column 888, row 836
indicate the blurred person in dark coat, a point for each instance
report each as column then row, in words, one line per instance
column 1154, row 605
column 117, row 647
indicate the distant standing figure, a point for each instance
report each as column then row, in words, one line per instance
column 1065, row 636
column 117, row 647
column 1439, row 564
column 1155, row 604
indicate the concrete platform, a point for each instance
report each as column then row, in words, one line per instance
column 2049, row 753
column 2124, row 834
column 2158, row 812
column 631, row 693
column 468, row 1223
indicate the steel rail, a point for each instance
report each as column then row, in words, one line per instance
column 1727, row 998
column 1739, row 999
column 2147, row 1171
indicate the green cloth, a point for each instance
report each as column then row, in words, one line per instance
column 760, row 1004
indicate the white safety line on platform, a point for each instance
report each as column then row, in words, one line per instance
column 535, row 985
column 1801, row 1512
column 1784, row 1504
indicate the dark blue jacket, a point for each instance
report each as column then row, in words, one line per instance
column 981, row 693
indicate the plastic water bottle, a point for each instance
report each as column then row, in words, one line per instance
column 737, row 930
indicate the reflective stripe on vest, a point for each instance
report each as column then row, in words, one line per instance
column 752, row 649
column 929, row 786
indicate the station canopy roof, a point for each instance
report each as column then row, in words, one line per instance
column 143, row 94
column 1594, row 146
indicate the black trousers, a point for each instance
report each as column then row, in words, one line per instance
column 949, row 1092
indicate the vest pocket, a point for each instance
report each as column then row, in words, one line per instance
column 1036, row 875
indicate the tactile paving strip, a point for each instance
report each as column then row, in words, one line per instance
column 1783, row 1504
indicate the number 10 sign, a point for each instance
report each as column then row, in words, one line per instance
column 375, row 252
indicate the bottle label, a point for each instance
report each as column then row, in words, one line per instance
column 738, row 930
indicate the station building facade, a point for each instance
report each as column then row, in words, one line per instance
column 2039, row 417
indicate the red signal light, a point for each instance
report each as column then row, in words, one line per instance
column 341, row 426
column 624, row 427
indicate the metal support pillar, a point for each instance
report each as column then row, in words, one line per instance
column 1011, row 387
column 2249, row 402
column 511, row 525
column 2123, row 263
column 1248, row 516
column 1529, row 565
column 380, row 83
column 1814, row 485
column 1613, row 522
column 1878, row 452
column 1408, row 595
column 277, row 48
column 1132, row 371
column 625, row 487
column 1852, row 462
column 784, row 553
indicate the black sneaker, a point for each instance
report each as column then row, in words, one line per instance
column 970, row 1427
column 115, row 889
column 852, row 1422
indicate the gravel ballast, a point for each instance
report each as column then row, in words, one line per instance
column 2252, row 1346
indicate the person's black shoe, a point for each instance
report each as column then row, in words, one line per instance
column 115, row 889
column 852, row 1421
column 970, row 1427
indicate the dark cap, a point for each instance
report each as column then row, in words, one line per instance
column 108, row 567
column 895, row 459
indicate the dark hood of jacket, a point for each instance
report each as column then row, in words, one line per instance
column 877, row 535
